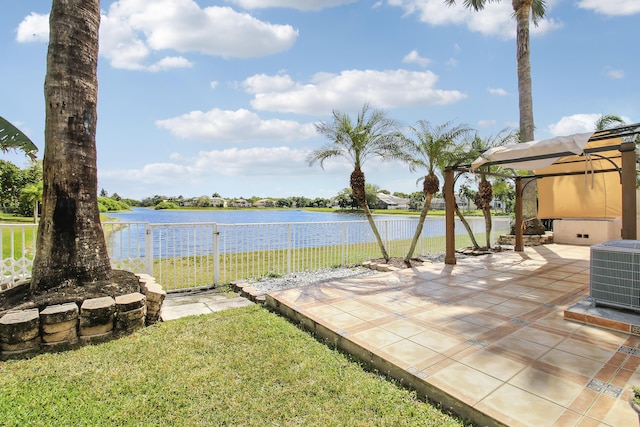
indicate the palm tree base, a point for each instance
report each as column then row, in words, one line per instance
column 531, row 227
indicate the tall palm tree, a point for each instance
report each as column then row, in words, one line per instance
column 434, row 148
column 524, row 11
column 373, row 134
column 607, row 121
column 71, row 246
column 11, row 138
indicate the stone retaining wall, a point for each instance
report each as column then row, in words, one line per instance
column 528, row 240
column 96, row 319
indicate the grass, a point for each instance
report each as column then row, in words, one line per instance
column 194, row 271
column 245, row 367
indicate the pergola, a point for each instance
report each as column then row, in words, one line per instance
column 561, row 165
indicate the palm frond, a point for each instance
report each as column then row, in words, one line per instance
column 11, row 138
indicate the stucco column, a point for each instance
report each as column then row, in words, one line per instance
column 449, row 202
column 629, row 226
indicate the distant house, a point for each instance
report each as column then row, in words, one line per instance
column 264, row 203
column 239, row 203
column 218, row 202
column 387, row 201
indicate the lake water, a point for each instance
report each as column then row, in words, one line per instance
column 251, row 216
column 183, row 231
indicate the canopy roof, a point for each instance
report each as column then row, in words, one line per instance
column 579, row 176
column 540, row 154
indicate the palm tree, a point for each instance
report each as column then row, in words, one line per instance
column 607, row 121
column 11, row 138
column 434, row 148
column 71, row 246
column 373, row 134
column 484, row 196
column 524, row 11
column 32, row 194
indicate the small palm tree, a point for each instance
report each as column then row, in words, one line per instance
column 373, row 134
column 484, row 196
column 434, row 148
column 11, row 138
column 32, row 194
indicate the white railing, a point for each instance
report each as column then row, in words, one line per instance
column 183, row 256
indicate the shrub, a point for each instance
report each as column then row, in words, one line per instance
column 166, row 205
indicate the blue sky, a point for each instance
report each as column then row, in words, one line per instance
column 204, row 96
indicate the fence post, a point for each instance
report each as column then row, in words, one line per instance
column 343, row 244
column 289, row 248
column 216, row 255
column 148, row 248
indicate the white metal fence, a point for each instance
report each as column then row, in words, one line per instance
column 182, row 256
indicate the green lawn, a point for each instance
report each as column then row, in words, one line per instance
column 246, row 367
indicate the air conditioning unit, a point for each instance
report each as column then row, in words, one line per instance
column 615, row 274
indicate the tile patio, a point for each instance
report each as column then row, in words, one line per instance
column 487, row 337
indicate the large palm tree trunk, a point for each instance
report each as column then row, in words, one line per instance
column 522, row 9
column 423, row 216
column 464, row 222
column 357, row 182
column 71, row 246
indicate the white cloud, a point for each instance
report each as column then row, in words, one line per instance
column 200, row 172
column 349, row 91
column 497, row 91
column 214, row 84
column 171, row 62
column 611, row 7
column 239, row 125
column 414, row 57
column 133, row 30
column 615, row 74
column 486, row 123
column 576, row 123
column 33, row 28
column 495, row 19
column 292, row 4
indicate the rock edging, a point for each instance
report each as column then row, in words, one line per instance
column 68, row 324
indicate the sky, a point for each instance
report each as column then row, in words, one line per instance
column 202, row 96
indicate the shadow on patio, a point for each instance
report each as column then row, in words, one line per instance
column 486, row 337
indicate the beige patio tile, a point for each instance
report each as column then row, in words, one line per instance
column 436, row 341
column 572, row 362
column 376, row 338
column 433, row 316
column 408, row 352
column 492, row 364
column 557, row 321
column 369, row 314
column 548, row 386
column 465, row 329
column 598, row 334
column 621, row 414
column 539, row 337
column 470, row 385
column 518, row 407
column 348, row 305
column 323, row 311
column 485, row 320
column 403, row 327
column 343, row 321
column 528, row 350
column 585, row 349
